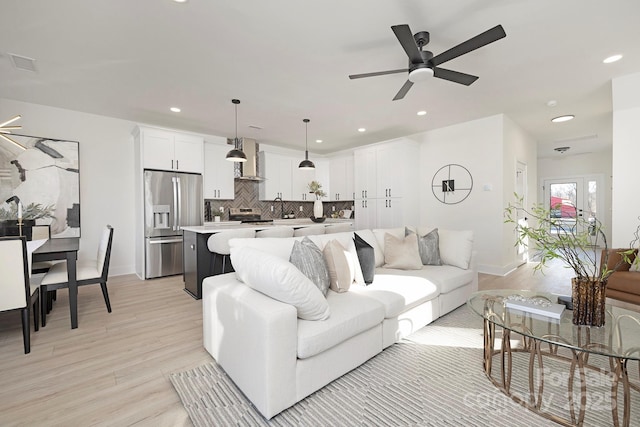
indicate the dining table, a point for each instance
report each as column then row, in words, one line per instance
column 65, row 248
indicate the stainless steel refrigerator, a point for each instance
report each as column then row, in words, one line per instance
column 171, row 200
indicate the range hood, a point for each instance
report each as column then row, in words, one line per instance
column 247, row 170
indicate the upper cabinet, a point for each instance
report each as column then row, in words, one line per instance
column 276, row 169
column 218, row 171
column 341, row 178
column 172, row 151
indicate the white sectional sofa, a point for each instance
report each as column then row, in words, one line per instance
column 277, row 358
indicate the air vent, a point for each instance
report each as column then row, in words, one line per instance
column 23, row 63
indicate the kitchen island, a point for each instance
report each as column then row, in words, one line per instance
column 197, row 259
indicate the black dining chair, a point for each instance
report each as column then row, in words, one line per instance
column 16, row 290
column 88, row 272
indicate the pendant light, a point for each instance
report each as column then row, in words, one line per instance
column 236, row 155
column 5, row 128
column 306, row 163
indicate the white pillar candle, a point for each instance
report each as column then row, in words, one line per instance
column 19, row 210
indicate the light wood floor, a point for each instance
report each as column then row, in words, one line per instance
column 113, row 369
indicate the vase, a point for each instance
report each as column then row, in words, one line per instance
column 588, row 297
column 318, row 210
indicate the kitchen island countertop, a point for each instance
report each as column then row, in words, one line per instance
column 214, row 227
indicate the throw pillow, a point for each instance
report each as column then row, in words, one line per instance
column 428, row 246
column 402, row 254
column 366, row 258
column 456, row 247
column 635, row 265
column 341, row 266
column 280, row 280
column 308, row 258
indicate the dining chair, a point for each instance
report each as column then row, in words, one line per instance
column 16, row 290
column 275, row 232
column 313, row 230
column 88, row 272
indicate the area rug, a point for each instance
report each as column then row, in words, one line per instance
column 432, row 378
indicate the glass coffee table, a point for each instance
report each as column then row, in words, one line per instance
column 586, row 362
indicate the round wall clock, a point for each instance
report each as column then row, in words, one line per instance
column 452, row 184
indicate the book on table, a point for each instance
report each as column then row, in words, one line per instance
column 552, row 310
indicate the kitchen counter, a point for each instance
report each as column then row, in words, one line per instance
column 214, row 227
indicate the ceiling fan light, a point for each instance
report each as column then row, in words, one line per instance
column 236, row 155
column 420, row 74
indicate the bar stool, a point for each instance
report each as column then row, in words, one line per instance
column 275, row 232
column 314, row 230
column 218, row 245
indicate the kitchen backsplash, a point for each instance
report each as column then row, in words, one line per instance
column 247, row 196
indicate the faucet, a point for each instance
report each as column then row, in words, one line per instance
column 281, row 206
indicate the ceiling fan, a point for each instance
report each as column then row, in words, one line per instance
column 422, row 63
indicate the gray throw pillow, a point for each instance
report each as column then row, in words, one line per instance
column 366, row 257
column 429, row 247
column 308, row 258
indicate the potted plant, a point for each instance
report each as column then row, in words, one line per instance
column 316, row 188
column 216, row 216
column 576, row 240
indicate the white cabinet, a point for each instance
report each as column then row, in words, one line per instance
column 218, row 171
column 173, row 151
column 277, row 173
column 341, row 178
column 300, row 179
column 384, row 176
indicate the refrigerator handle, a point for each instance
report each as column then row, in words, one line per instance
column 179, row 205
column 175, row 203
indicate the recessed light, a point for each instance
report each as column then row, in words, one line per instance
column 175, row 109
column 561, row 119
column 552, row 103
column 319, row 141
column 422, row 113
column 612, row 58
column 180, row 1
column 361, row 130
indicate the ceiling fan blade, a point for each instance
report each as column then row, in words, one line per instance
column 403, row 33
column 454, row 76
column 379, row 73
column 489, row 36
column 403, row 90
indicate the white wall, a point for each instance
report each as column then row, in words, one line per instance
column 626, row 152
column 476, row 145
column 518, row 147
column 106, row 173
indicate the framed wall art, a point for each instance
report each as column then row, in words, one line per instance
column 44, row 174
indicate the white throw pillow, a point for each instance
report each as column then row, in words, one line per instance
column 280, row 280
column 402, row 253
column 342, row 263
column 635, row 265
column 456, row 247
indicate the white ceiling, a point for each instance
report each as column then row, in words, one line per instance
column 289, row 59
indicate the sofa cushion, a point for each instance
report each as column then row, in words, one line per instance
column 368, row 236
column 625, row 281
column 398, row 292
column 428, row 246
column 456, row 247
column 351, row 314
column 279, row 246
column 307, row 258
column 402, row 253
column 445, row 277
column 280, row 280
column 341, row 265
column 366, row 258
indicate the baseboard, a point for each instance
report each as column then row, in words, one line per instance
column 498, row 271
